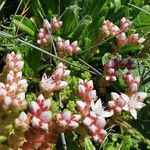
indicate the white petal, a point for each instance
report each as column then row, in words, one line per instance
column 19, row 65
column 103, row 132
column 126, row 107
column 125, row 98
column 107, row 114
column 81, row 81
column 133, row 113
column 139, row 105
column 96, row 106
column 92, row 95
column 19, row 74
column 92, row 105
column 114, row 95
column 58, row 116
column 142, row 96
column 3, row 92
column 59, row 39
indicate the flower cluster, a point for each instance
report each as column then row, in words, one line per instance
column 65, row 48
column 109, row 29
column 67, row 121
column 86, row 94
column 117, row 103
column 12, row 92
column 12, row 100
column 43, row 36
column 132, row 83
column 129, row 103
column 39, row 128
column 132, row 100
column 40, row 114
column 111, row 68
column 95, row 120
column 40, row 119
column 93, row 112
column 22, row 121
column 54, row 83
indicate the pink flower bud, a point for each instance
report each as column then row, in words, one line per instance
column 68, row 121
column 22, row 85
column 34, row 107
column 46, row 24
column 87, row 121
column 135, row 39
column 14, row 62
column 66, row 115
column 75, row 117
column 73, row 124
column 121, row 39
column 22, row 121
column 93, row 128
column 108, row 28
column 3, row 91
column 7, row 101
column 46, row 116
column 92, row 95
column 56, row 24
column 101, row 122
column 80, row 105
column 35, row 122
column 124, row 24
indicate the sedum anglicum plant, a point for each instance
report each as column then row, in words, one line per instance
column 71, row 76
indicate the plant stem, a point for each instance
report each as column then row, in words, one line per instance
column 89, row 66
column 53, row 44
column 63, row 141
column 60, row 102
column 62, row 134
column 139, row 8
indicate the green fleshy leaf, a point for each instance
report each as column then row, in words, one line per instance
column 88, row 144
column 130, row 48
column 25, row 24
